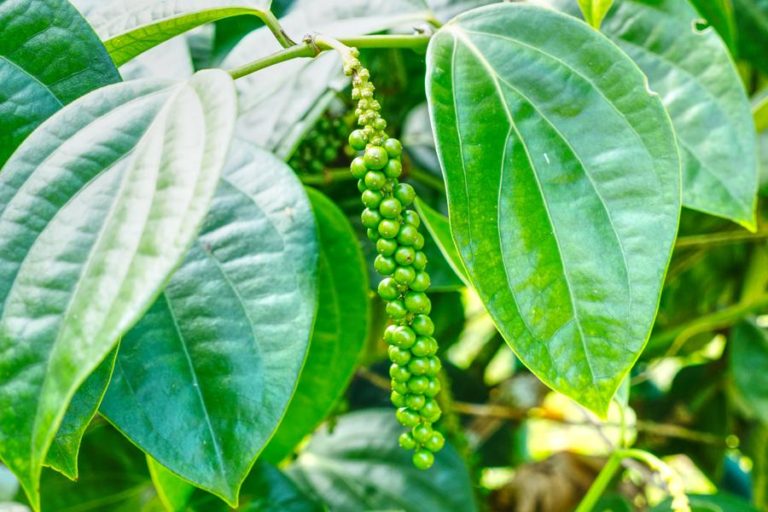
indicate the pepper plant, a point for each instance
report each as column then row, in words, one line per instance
column 367, row 255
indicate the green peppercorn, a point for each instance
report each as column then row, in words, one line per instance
column 399, row 373
column 431, row 388
column 407, row 417
column 375, row 180
column 407, row 234
column 390, row 208
column 393, row 147
column 420, row 261
column 407, row 441
column 398, row 355
column 431, row 410
column 422, row 432
column 370, row 218
column 415, row 402
column 389, row 228
column 420, row 282
column 423, row 347
column 388, row 289
column 419, row 385
column 403, row 337
column 412, row 218
column 422, row 325
column 417, row 302
column 372, row 198
column 393, row 169
column 396, row 310
column 358, row 168
column 405, row 193
column 397, row 399
column 404, row 275
column 385, row 265
column 423, row 459
column 375, row 157
column 418, row 366
column 400, row 387
column 405, row 256
column 386, row 247
column 435, row 442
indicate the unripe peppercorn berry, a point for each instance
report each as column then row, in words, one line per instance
column 431, row 410
column 399, row 373
column 420, row 261
column 407, row 234
column 386, row 247
column 421, row 433
column 385, row 265
column 431, row 389
column 397, row 399
column 393, row 169
column 407, row 441
column 418, row 366
column 390, row 208
column 404, row 275
column 421, row 282
column 423, row 325
column 407, row 417
column 415, row 402
column 389, row 228
column 412, row 218
column 422, row 347
column 388, row 289
column 405, row 193
column 375, row 180
column 417, row 302
column 372, row 198
column 358, row 168
column 435, row 442
column 370, row 218
column 396, row 310
column 393, row 147
column 423, row 459
column 357, row 140
column 400, row 387
column 398, row 355
column 418, row 385
column 405, row 256
column 375, row 157
column 403, row 337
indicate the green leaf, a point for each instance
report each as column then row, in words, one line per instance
column 697, row 80
column 752, row 26
column 229, row 334
column 24, row 104
column 172, row 491
column 359, row 466
column 340, row 330
column 113, row 477
column 563, row 185
column 272, row 102
column 747, row 361
column 595, row 10
column 719, row 14
column 439, row 228
column 131, row 27
column 760, row 113
column 46, row 60
column 62, row 456
column 51, row 41
column 266, row 489
column 97, row 207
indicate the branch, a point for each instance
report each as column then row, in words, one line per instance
column 318, row 45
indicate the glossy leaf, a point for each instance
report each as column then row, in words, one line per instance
column 272, row 101
column 439, row 228
column 50, row 40
column 563, row 184
column 719, row 14
column 359, row 466
column 752, row 27
column 760, row 114
column 694, row 74
column 173, row 492
column 595, row 10
column 49, row 56
column 131, row 27
column 63, row 454
column 24, row 104
column 339, row 333
column 228, row 336
column 119, row 182
column 748, row 358
column 720, row 502
column 113, row 477
column 267, row 489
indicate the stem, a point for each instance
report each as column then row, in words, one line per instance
column 717, row 320
column 273, row 24
column 727, row 237
column 312, row 49
column 327, row 177
column 604, row 478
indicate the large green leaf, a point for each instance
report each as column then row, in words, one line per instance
column 339, row 333
column 131, row 27
column 719, row 14
column 272, row 101
column 24, row 104
column 172, row 491
column 97, row 207
column 113, row 477
column 752, row 26
column 50, row 40
column 63, row 454
column 694, row 74
column 228, row 336
column 45, row 60
column 720, row 502
column 359, row 466
column 266, row 489
column 563, row 183
column 748, row 359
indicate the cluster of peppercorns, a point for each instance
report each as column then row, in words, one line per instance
column 322, row 145
column 393, row 226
